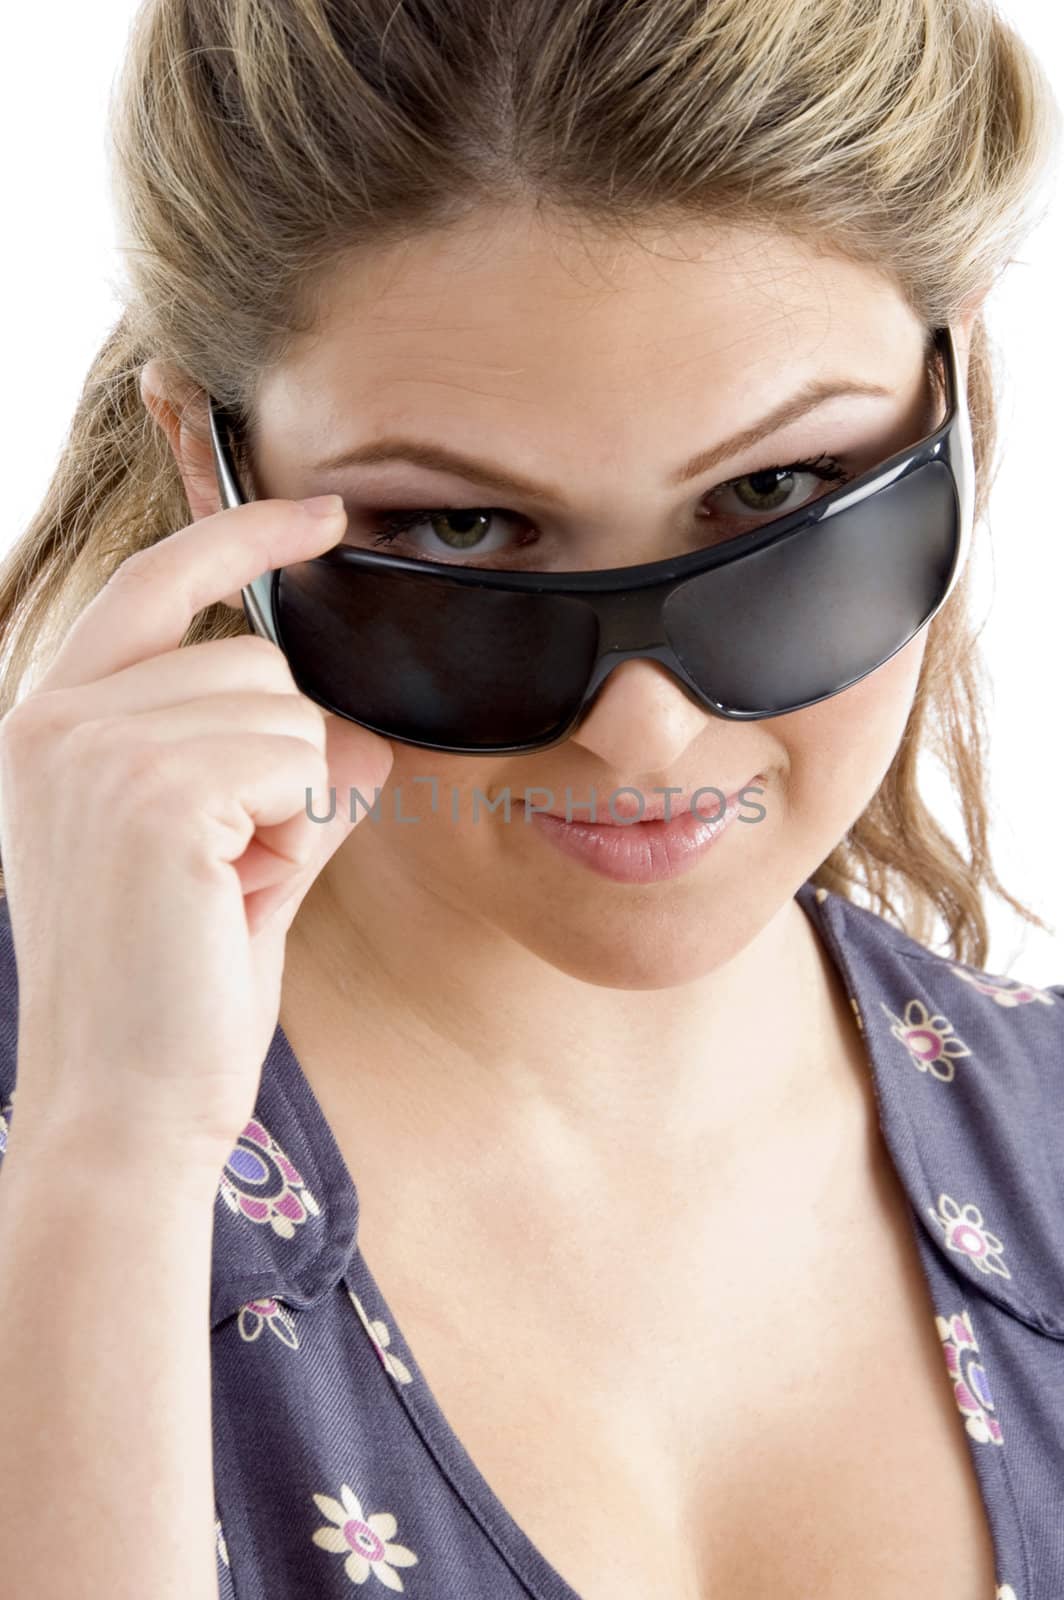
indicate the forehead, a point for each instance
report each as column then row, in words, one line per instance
column 523, row 310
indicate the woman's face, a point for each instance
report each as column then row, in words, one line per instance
column 592, row 368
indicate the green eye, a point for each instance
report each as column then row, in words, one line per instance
column 488, row 531
column 770, row 490
column 466, row 528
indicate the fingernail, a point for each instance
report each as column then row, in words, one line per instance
column 323, row 505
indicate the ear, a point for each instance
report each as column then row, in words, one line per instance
column 962, row 324
column 180, row 409
column 969, row 309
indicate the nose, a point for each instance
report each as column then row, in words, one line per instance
column 642, row 720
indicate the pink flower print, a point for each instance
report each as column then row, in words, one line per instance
column 930, row 1041
column 271, row 1314
column 260, row 1183
column 1006, row 991
column 380, row 1337
column 965, row 1232
column 219, row 1538
column 363, row 1538
column 970, row 1388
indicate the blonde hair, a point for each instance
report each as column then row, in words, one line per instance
column 256, row 142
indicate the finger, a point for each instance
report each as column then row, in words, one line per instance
column 242, row 663
column 211, row 794
column 236, row 713
column 356, row 758
column 148, row 603
column 353, row 762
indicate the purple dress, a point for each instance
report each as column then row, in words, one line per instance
column 335, row 1467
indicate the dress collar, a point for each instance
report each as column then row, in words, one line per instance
column 286, row 1214
column 967, row 1072
column 967, row 1068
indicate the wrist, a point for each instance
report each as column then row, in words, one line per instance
column 122, row 1142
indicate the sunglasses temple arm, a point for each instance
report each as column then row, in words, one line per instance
column 228, row 488
column 254, row 595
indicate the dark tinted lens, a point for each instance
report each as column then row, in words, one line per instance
column 431, row 661
column 801, row 619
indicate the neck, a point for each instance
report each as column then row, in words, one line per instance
column 453, row 1030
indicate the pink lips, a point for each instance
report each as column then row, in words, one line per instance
column 649, row 851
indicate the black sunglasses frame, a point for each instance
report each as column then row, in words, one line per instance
column 629, row 602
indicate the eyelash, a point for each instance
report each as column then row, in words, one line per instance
column 390, row 525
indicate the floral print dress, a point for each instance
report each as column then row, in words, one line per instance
column 337, row 1474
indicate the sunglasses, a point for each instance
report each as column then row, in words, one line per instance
column 476, row 661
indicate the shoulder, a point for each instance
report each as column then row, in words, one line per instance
column 8, row 1022
column 944, row 1012
column 968, row 1067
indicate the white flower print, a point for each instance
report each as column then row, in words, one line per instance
column 930, row 1041
column 223, row 1548
column 1005, row 991
column 966, row 1233
column 5, row 1122
column 270, row 1313
column 968, row 1377
column 363, row 1538
column 380, row 1337
column 260, row 1183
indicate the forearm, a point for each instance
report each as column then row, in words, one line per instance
column 106, row 1472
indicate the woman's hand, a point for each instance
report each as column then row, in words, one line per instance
column 156, row 842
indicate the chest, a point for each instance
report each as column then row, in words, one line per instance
column 760, row 1410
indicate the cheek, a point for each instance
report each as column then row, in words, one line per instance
column 439, row 790
column 839, row 751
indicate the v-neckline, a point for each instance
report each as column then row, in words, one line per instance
column 530, row 1567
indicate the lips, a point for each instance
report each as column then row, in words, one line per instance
column 639, row 852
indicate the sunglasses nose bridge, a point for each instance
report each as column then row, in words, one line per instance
column 631, row 628
column 630, row 622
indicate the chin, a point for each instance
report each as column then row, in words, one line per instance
column 638, row 945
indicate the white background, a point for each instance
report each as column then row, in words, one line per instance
column 60, row 264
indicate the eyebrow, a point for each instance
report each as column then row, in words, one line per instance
column 441, row 458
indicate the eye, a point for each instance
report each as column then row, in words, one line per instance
column 767, row 493
column 482, row 530
column 451, row 531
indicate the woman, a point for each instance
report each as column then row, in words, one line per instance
column 715, row 1235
